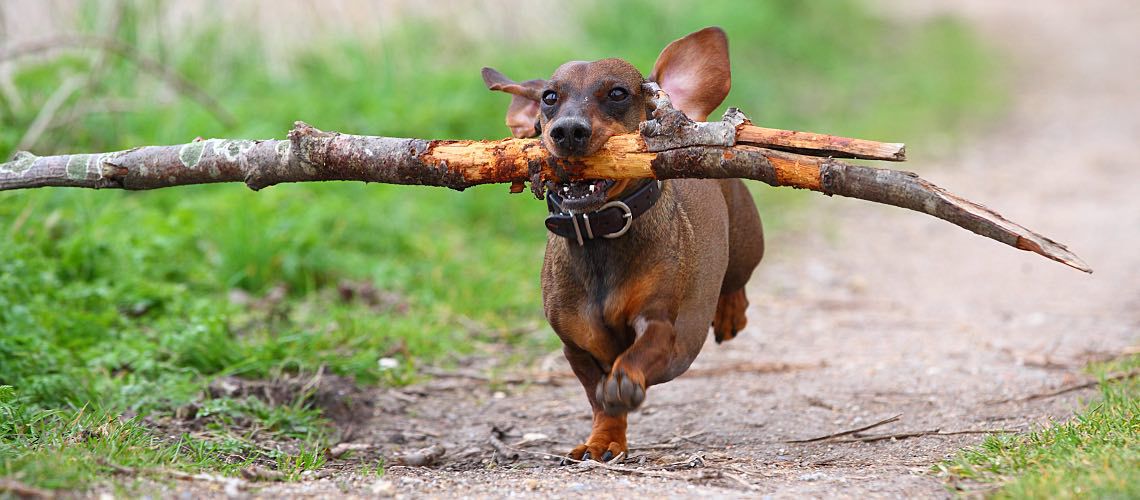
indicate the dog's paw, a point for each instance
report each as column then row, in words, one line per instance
column 622, row 391
column 597, row 450
column 730, row 315
column 606, row 441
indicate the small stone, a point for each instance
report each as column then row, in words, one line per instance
column 232, row 489
column 535, row 436
column 342, row 448
column 424, row 457
column 814, row 476
column 382, row 488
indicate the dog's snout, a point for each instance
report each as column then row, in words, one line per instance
column 571, row 135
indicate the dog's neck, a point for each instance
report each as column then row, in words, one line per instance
column 652, row 227
column 603, row 264
column 612, row 220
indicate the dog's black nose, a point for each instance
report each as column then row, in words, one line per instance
column 571, row 135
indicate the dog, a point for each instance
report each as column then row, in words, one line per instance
column 635, row 270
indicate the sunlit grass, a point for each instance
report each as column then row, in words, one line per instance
column 1096, row 454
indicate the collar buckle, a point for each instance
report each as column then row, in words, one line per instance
column 628, row 216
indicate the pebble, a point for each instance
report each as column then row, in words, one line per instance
column 812, row 476
column 382, row 488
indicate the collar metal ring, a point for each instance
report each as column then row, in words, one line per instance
column 628, row 216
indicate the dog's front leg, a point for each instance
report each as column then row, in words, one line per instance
column 643, row 364
column 607, row 437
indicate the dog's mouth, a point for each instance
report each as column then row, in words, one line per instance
column 581, row 196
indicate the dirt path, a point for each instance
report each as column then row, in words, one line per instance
column 888, row 312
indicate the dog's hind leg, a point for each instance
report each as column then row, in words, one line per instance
column 730, row 318
column 745, row 249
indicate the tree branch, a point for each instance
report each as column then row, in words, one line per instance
column 740, row 150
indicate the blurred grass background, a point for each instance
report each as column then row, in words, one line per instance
column 118, row 303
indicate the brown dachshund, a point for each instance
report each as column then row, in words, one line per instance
column 635, row 270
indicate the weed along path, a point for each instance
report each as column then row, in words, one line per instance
column 861, row 317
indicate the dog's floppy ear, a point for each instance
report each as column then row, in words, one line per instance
column 522, row 114
column 694, row 71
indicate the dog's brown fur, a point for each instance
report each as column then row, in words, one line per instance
column 634, row 311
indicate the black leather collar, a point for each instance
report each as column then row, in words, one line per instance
column 610, row 221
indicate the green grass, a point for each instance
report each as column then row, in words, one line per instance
column 118, row 303
column 1094, row 455
column 72, row 447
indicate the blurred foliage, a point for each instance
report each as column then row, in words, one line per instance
column 120, row 301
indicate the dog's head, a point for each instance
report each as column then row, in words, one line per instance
column 583, row 104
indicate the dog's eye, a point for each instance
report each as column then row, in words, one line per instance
column 618, row 94
column 550, row 97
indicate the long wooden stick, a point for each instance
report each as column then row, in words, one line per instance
column 665, row 150
column 313, row 155
column 819, row 144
